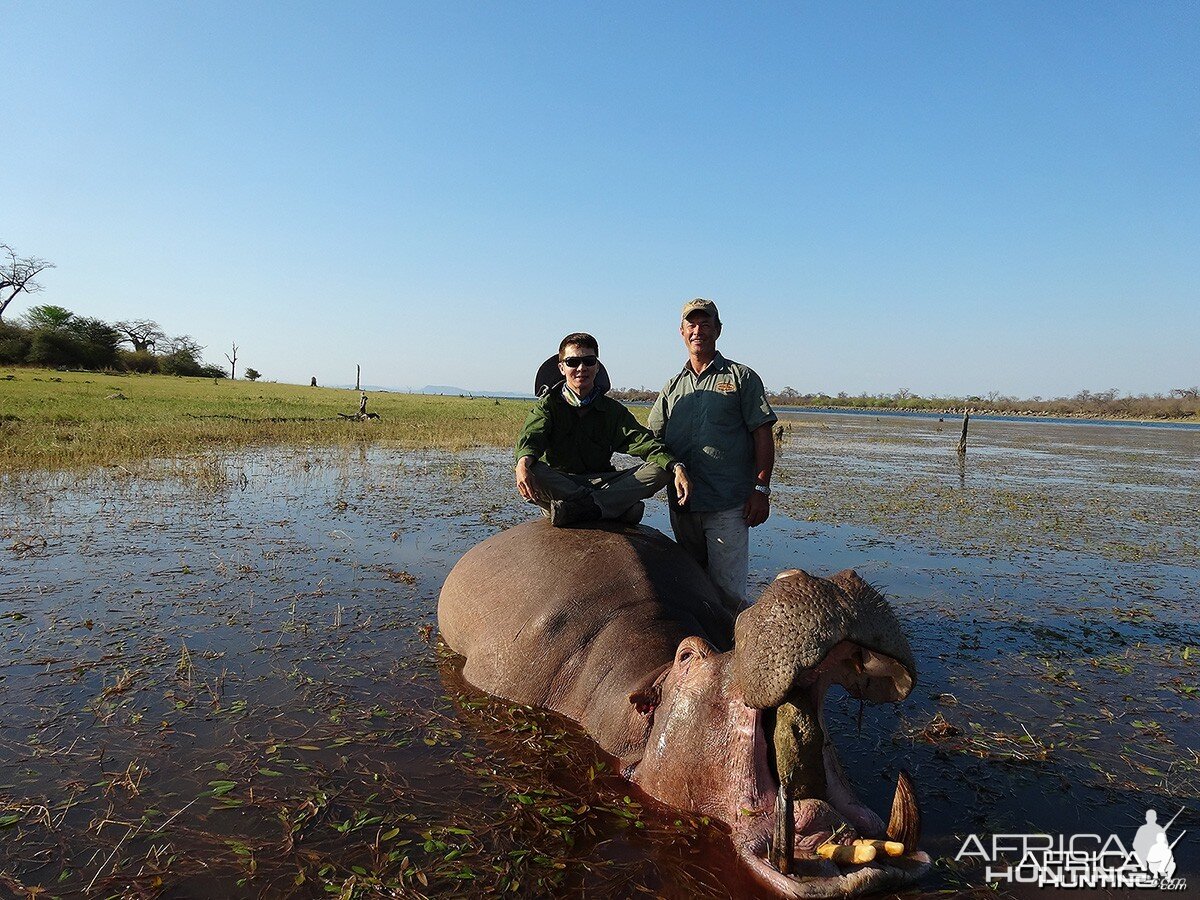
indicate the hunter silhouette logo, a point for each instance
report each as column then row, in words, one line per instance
column 1081, row 860
column 1151, row 848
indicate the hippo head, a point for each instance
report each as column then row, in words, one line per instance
column 740, row 736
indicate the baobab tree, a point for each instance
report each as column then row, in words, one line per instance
column 17, row 273
column 142, row 334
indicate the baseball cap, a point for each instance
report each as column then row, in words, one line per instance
column 700, row 305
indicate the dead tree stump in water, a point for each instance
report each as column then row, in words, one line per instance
column 962, row 441
column 362, row 415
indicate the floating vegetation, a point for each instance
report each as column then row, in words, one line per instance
column 233, row 683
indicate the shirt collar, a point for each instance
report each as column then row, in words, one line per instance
column 715, row 365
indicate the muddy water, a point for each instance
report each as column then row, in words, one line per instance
column 221, row 678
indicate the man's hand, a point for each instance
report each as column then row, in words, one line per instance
column 527, row 485
column 757, row 509
column 683, row 487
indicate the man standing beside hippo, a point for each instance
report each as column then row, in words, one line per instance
column 714, row 417
column 564, row 453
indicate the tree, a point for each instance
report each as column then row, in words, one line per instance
column 232, row 363
column 142, row 334
column 17, row 273
column 96, row 342
column 252, row 374
column 182, row 358
column 184, row 343
column 58, row 337
column 47, row 318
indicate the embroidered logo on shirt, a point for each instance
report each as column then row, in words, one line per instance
column 726, row 386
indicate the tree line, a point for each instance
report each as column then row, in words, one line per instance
column 1181, row 403
column 55, row 337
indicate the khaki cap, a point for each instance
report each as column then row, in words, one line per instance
column 700, row 305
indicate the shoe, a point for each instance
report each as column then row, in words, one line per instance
column 634, row 514
column 573, row 512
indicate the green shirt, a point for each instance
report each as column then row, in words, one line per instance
column 581, row 440
column 706, row 422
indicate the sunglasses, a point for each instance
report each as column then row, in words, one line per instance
column 572, row 362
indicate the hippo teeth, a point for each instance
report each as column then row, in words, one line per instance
column 903, row 830
column 904, row 825
column 783, row 834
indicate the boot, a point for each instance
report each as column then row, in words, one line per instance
column 573, row 512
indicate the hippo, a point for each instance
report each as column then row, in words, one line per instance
column 617, row 628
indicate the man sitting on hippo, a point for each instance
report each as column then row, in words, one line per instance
column 564, row 453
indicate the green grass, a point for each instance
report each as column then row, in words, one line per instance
column 57, row 421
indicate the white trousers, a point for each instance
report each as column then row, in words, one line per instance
column 720, row 542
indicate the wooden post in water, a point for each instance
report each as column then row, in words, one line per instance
column 962, row 441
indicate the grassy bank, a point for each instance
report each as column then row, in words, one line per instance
column 75, row 420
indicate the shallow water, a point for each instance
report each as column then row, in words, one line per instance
column 221, row 678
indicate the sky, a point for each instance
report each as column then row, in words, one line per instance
column 947, row 198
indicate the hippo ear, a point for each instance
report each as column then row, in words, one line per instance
column 646, row 699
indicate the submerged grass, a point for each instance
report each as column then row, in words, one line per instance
column 55, row 421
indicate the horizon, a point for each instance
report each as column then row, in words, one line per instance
column 950, row 200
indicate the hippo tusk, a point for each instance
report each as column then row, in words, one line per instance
column 904, row 825
column 783, row 836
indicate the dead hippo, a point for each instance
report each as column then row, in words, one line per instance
column 620, row 630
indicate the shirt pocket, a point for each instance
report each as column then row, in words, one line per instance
column 723, row 410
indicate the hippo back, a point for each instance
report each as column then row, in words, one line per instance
column 576, row 619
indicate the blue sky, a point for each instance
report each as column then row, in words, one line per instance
column 952, row 198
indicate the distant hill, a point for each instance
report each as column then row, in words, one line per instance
column 445, row 390
column 451, row 391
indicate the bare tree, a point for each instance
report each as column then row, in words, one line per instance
column 184, row 343
column 17, row 274
column 143, row 334
column 232, row 363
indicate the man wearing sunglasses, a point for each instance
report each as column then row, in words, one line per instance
column 714, row 416
column 564, row 453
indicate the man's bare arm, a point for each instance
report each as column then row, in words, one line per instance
column 758, row 506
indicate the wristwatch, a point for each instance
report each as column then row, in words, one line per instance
column 763, row 489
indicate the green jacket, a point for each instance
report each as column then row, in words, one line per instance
column 582, row 440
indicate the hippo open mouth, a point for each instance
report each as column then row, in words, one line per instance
column 802, row 830
column 806, row 834
column 623, row 632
